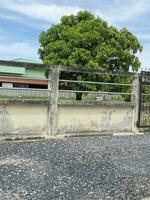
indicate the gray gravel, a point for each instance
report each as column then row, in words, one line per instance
column 93, row 168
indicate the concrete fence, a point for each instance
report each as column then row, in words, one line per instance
column 26, row 117
column 54, row 116
column 23, row 92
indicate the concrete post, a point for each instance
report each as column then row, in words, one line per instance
column 135, row 100
column 53, row 86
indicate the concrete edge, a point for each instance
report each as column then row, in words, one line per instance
column 100, row 103
column 23, row 138
column 66, row 103
column 128, row 134
column 32, row 138
column 119, row 134
column 24, row 101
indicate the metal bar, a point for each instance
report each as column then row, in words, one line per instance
column 145, row 94
column 91, row 71
column 144, row 126
column 94, row 92
column 92, row 82
column 140, row 98
column 146, row 83
column 144, row 109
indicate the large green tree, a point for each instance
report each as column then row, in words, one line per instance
column 88, row 41
column 84, row 40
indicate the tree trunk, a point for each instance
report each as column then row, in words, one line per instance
column 78, row 96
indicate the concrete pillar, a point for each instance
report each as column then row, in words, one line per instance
column 53, row 86
column 135, row 100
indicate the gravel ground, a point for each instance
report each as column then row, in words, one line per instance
column 93, row 168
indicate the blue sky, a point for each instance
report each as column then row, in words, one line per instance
column 21, row 22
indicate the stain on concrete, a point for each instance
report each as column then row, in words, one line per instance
column 106, row 118
column 106, row 123
column 6, row 125
column 25, row 130
column 124, row 124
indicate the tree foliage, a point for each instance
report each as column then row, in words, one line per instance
column 88, row 41
column 84, row 40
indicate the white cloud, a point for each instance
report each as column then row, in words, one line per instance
column 35, row 10
column 143, row 36
column 18, row 49
column 114, row 12
column 123, row 10
column 22, row 20
column 144, row 57
column 31, row 12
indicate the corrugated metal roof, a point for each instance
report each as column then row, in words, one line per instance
column 27, row 60
column 12, row 70
column 24, row 81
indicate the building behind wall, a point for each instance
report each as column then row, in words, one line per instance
column 21, row 77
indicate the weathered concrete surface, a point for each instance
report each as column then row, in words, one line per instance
column 53, row 107
column 81, row 118
column 16, row 119
column 76, row 169
column 27, row 118
column 135, row 98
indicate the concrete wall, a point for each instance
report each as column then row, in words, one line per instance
column 34, row 119
column 23, row 119
column 96, row 118
column 53, row 117
column 28, row 92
